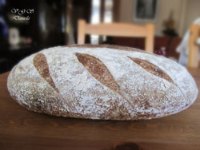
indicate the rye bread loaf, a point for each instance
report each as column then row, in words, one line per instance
column 101, row 82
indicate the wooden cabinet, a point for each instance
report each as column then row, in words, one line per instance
column 168, row 43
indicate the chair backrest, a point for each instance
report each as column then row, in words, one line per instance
column 117, row 29
column 193, row 58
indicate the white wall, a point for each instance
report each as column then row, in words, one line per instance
column 126, row 10
column 185, row 11
column 192, row 12
column 165, row 7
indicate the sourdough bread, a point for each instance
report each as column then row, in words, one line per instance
column 101, row 82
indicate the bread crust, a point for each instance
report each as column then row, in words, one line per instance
column 101, row 82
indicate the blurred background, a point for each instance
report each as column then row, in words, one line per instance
column 27, row 26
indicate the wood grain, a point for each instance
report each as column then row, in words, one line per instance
column 193, row 58
column 26, row 130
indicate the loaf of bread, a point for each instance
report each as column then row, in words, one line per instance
column 101, row 82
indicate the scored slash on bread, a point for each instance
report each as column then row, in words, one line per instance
column 98, row 70
column 153, row 69
column 40, row 63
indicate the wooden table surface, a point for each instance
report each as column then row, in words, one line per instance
column 26, row 130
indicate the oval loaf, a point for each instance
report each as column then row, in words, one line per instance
column 101, row 82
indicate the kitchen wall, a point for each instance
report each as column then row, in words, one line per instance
column 185, row 11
